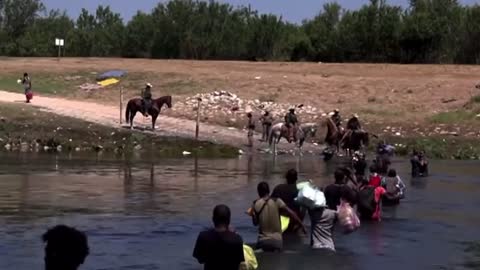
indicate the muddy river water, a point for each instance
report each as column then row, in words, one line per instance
column 145, row 215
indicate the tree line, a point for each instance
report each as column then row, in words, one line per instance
column 427, row 31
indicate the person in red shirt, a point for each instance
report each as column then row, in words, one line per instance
column 370, row 201
column 375, row 178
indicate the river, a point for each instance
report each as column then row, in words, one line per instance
column 146, row 215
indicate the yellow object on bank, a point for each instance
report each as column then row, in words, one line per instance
column 250, row 258
column 108, row 82
column 284, row 221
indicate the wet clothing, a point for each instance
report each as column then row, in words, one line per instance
column 269, row 226
column 353, row 124
column 375, row 180
column 360, row 166
column 376, row 212
column 394, row 188
column 334, row 192
column 219, row 250
column 287, row 193
column 323, row 221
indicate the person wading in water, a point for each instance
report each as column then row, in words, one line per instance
column 267, row 121
column 250, row 128
column 291, row 123
column 147, row 99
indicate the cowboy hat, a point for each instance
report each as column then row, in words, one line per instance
column 149, row 85
column 336, row 110
column 355, row 115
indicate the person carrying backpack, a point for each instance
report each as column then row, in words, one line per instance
column 370, row 201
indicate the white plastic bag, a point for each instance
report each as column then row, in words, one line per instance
column 309, row 196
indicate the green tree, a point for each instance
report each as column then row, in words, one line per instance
column 139, row 34
column 39, row 37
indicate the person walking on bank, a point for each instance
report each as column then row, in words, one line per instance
column 267, row 121
column 27, row 86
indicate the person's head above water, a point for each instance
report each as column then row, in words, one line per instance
column 263, row 189
column 291, row 176
column 66, row 248
column 221, row 215
column 339, row 176
column 392, row 173
column 25, row 74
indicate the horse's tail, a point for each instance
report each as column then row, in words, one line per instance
column 128, row 112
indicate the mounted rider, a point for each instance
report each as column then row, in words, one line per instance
column 291, row 122
column 336, row 118
column 353, row 125
column 146, row 99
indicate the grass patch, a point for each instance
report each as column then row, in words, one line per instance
column 24, row 128
column 41, row 83
column 437, row 147
column 453, row 117
column 475, row 99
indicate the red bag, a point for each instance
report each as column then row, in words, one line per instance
column 348, row 218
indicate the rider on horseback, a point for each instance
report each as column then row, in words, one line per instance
column 291, row 123
column 336, row 118
column 146, row 99
column 353, row 125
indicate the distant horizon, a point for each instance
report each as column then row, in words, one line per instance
column 294, row 11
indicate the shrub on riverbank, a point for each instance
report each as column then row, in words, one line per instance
column 23, row 128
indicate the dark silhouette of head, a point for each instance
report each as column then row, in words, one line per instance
column 392, row 173
column 263, row 189
column 373, row 169
column 66, row 248
column 249, row 115
column 291, row 176
column 339, row 176
column 267, row 113
column 292, row 110
column 221, row 216
column 25, row 74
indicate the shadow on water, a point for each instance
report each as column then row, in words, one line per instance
column 144, row 214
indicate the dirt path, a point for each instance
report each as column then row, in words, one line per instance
column 109, row 116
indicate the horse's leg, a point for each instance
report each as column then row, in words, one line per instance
column 154, row 120
column 132, row 116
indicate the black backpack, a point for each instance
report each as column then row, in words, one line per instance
column 366, row 199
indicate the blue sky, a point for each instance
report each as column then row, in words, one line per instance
column 291, row 10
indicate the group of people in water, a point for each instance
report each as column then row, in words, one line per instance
column 222, row 248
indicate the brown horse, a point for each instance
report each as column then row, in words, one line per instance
column 334, row 134
column 135, row 105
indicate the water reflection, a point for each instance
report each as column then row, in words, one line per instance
column 153, row 210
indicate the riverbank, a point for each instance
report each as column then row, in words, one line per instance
column 25, row 128
column 431, row 107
